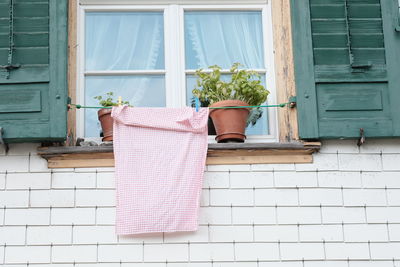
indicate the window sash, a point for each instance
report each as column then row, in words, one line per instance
column 175, row 72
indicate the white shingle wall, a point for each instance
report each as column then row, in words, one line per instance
column 341, row 211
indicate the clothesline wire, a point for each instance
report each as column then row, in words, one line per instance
column 281, row 105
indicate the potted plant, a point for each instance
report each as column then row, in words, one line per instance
column 104, row 114
column 243, row 89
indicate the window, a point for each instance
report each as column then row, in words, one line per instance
column 175, row 73
column 148, row 54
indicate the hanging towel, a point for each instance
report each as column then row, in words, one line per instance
column 160, row 156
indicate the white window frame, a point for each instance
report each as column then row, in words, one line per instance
column 175, row 73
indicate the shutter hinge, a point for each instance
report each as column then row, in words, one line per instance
column 6, row 148
column 361, row 140
column 292, row 102
column 9, row 68
column 361, row 67
column 69, row 100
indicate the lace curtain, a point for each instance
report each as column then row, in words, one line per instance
column 223, row 38
column 123, row 41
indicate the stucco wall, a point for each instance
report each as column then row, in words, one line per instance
column 343, row 210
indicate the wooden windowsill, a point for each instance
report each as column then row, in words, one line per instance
column 218, row 154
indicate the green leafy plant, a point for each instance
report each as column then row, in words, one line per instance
column 244, row 85
column 109, row 101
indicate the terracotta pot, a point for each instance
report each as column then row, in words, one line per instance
column 230, row 123
column 106, row 122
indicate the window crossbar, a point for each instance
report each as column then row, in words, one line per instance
column 124, row 72
column 225, row 71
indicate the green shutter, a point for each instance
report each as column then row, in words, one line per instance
column 33, row 92
column 347, row 68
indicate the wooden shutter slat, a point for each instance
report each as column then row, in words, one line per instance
column 339, row 40
column 329, row 26
column 362, row 11
column 31, row 39
column 343, row 73
column 28, row 10
column 27, row 55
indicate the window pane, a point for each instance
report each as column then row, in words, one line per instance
column 223, row 38
column 261, row 127
column 124, row 40
column 140, row 91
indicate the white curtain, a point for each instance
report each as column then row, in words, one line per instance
column 123, row 41
column 223, row 38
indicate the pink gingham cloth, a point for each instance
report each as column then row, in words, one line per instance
column 160, row 156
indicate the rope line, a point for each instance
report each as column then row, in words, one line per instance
column 77, row 106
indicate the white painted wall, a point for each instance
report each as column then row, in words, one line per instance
column 341, row 211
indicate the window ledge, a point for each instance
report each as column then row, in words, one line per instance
column 218, row 154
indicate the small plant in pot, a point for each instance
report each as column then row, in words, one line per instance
column 104, row 114
column 243, row 89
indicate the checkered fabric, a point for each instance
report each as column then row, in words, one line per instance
column 160, row 156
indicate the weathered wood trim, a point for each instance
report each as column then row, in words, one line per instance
column 72, row 69
column 284, row 69
column 67, row 162
column 267, row 159
column 314, row 146
column 102, row 156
